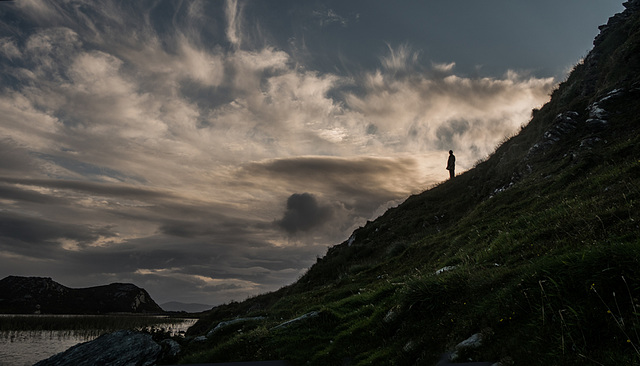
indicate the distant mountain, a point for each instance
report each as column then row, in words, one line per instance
column 28, row 295
column 189, row 308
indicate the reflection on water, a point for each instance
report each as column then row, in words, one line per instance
column 26, row 347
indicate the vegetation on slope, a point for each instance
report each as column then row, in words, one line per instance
column 536, row 249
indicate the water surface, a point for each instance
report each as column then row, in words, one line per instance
column 25, row 347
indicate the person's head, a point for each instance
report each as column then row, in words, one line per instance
column 450, row 152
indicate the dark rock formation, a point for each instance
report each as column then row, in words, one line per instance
column 563, row 125
column 124, row 347
column 25, row 295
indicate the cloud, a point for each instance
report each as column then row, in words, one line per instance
column 15, row 159
column 13, row 194
column 41, row 11
column 119, row 190
column 354, row 188
column 303, row 213
column 328, row 17
column 34, row 232
column 233, row 13
column 411, row 110
column 400, row 58
column 9, row 49
column 377, row 177
column 442, row 67
column 150, row 142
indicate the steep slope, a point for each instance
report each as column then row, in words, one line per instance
column 535, row 251
column 20, row 295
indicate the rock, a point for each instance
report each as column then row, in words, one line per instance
column 171, row 347
column 230, row 322
column 312, row 314
column 409, row 346
column 589, row 143
column 564, row 124
column 471, row 343
column 474, row 341
column 596, row 111
column 596, row 124
column 352, row 238
column 445, row 269
column 121, row 348
column 391, row 316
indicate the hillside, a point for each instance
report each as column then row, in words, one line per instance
column 29, row 295
column 535, row 252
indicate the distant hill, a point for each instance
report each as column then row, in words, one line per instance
column 189, row 308
column 29, row 295
column 530, row 258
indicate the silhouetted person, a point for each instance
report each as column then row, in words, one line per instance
column 451, row 164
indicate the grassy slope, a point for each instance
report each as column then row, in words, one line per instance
column 545, row 246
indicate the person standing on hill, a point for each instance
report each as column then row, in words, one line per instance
column 451, row 164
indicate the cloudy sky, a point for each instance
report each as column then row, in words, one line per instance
column 212, row 150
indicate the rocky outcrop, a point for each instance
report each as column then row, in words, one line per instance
column 313, row 314
column 24, row 295
column 120, row 348
column 463, row 354
column 615, row 27
column 231, row 322
column 563, row 125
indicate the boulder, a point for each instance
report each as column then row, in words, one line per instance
column 172, row 348
column 563, row 125
column 231, row 322
column 121, row 348
column 313, row 314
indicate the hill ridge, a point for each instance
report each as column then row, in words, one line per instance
column 526, row 251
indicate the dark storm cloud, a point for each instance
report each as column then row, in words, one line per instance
column 369, row 174
column 132, row 255
column 13, row 193
column 346, row 191
column 226, row 271
column 303, row 213
column 15, row 159
column 35, row 231
column 222, row 228
column 185, row 229
column 120, row 190
column 361, row 183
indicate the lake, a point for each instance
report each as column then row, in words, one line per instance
column 27, row 339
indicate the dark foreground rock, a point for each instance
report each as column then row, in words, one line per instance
column 121, row 348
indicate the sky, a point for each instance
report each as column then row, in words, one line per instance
column 209, row 151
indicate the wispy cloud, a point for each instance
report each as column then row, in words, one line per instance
column 443, row 67
column 328, row 17
column 234, row 22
